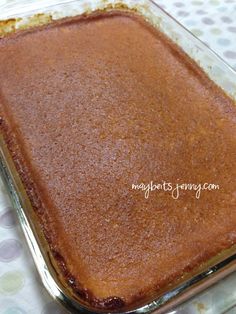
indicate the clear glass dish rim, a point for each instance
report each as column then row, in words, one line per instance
column 168, row 299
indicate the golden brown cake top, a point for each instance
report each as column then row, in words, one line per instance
column 92, row 105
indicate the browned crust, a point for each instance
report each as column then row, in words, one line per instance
column 17, row 155
column 112, row 302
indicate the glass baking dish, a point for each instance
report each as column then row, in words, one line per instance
column 27, row 14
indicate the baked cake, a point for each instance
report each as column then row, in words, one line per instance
column 90, row 107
